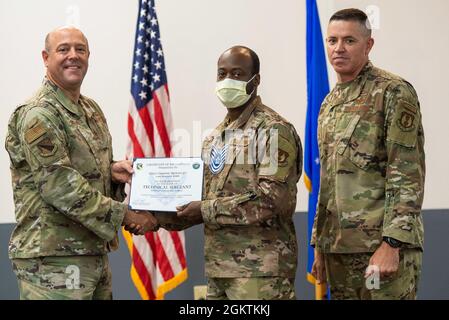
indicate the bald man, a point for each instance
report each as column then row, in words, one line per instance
column 67, row 188
column 253, row 160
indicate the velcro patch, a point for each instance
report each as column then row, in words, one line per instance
column 404, row 124
column 46, row 147
column 34, row 133
column 357, row 108
column 406, row 121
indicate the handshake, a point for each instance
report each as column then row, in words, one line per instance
column 140, row 222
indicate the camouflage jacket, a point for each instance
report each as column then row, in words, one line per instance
column 249, row 202
column 61, row 156
column 371, row 145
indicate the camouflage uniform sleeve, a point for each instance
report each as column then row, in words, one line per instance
column 405, row 171
column 278, row 172
column 60, row 185
column 118, row 190
column 172, row 222
column 319, row 217
column 315, row 226
column 319, row 210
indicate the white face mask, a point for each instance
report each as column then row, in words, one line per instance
column 232, row 93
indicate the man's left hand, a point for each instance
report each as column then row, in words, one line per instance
column 386, row 259
column 121, row 171
column 191, row 211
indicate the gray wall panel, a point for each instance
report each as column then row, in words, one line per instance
column 434, row 281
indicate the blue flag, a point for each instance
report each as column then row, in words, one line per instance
column 317, row 89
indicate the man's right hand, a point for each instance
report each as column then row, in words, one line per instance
column 140, row 222
column 318, row 268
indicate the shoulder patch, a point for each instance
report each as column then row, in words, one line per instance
column 280, row 158
column 404, row 124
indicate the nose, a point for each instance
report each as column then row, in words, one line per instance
column 340, row 47
column 73, row 54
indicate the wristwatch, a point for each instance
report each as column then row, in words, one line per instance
column 392, row 242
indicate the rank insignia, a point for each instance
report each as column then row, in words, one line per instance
column 217, row 159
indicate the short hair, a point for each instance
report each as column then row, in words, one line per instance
column 48, row 36
column 353, row 14
column 47, row 42
column 254, row 57
column 256, row 61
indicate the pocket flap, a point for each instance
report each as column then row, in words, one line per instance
column 344, row 141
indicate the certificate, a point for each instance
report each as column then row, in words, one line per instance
column 162, row 184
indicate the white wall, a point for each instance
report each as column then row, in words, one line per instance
column 194, row 33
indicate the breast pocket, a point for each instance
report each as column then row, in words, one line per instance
column 237, row 162
column 206, row 149
column 360, row 140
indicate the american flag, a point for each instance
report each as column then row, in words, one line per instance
column 158, row 258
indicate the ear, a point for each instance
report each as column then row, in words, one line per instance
column 257, row 80
column 369, row 46
column 45, row 57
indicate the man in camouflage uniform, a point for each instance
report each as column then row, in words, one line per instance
column 368, row 230
column 253, row 161
column 67, row 190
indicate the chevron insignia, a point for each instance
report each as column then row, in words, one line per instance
column 217, row 159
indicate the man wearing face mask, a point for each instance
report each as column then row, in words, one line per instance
column 253, row 161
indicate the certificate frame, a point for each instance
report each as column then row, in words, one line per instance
column 177, row 172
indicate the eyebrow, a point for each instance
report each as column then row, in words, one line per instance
column 68, row 44
column 346, row 37
column 232, row 69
